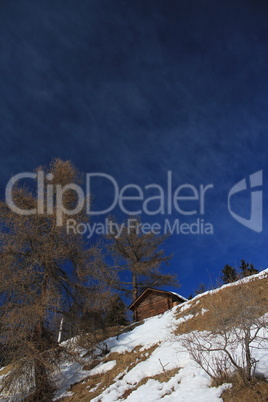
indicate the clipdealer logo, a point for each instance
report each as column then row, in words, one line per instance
column 132, row 199
column 255, row 221
column 186, row 200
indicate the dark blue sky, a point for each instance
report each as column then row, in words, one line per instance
column 136, row 88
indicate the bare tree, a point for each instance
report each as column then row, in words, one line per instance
column 44, row 270
column 239, row 328
column 139, row 255
column 201, row 289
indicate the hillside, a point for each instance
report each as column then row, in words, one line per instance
column 150, row 361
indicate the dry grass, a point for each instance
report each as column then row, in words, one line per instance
column 5, row 370
column 258, row 289
column 225, row 302
column 165, row 376
column 86, row 390
column 257, row 392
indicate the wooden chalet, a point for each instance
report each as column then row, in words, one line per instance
column 153, row 302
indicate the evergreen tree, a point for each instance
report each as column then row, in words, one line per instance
column 229, row 274
column 116, row 314
column 247, row 269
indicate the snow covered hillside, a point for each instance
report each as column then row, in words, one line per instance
column 151, row 362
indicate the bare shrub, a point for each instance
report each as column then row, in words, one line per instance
column 228, row 348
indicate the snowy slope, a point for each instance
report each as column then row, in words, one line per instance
column 163, row 352
column 189, row 384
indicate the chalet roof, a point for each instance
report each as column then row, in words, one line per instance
column 174, row 295
column 180, row 296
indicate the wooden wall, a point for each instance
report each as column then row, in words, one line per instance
column 153, row 304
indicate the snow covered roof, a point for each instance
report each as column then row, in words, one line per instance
column 180, row 296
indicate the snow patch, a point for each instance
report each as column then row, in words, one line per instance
column 103, row 368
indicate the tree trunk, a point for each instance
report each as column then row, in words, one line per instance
column 134, row 286
column 43, row 388
column 248, row 356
